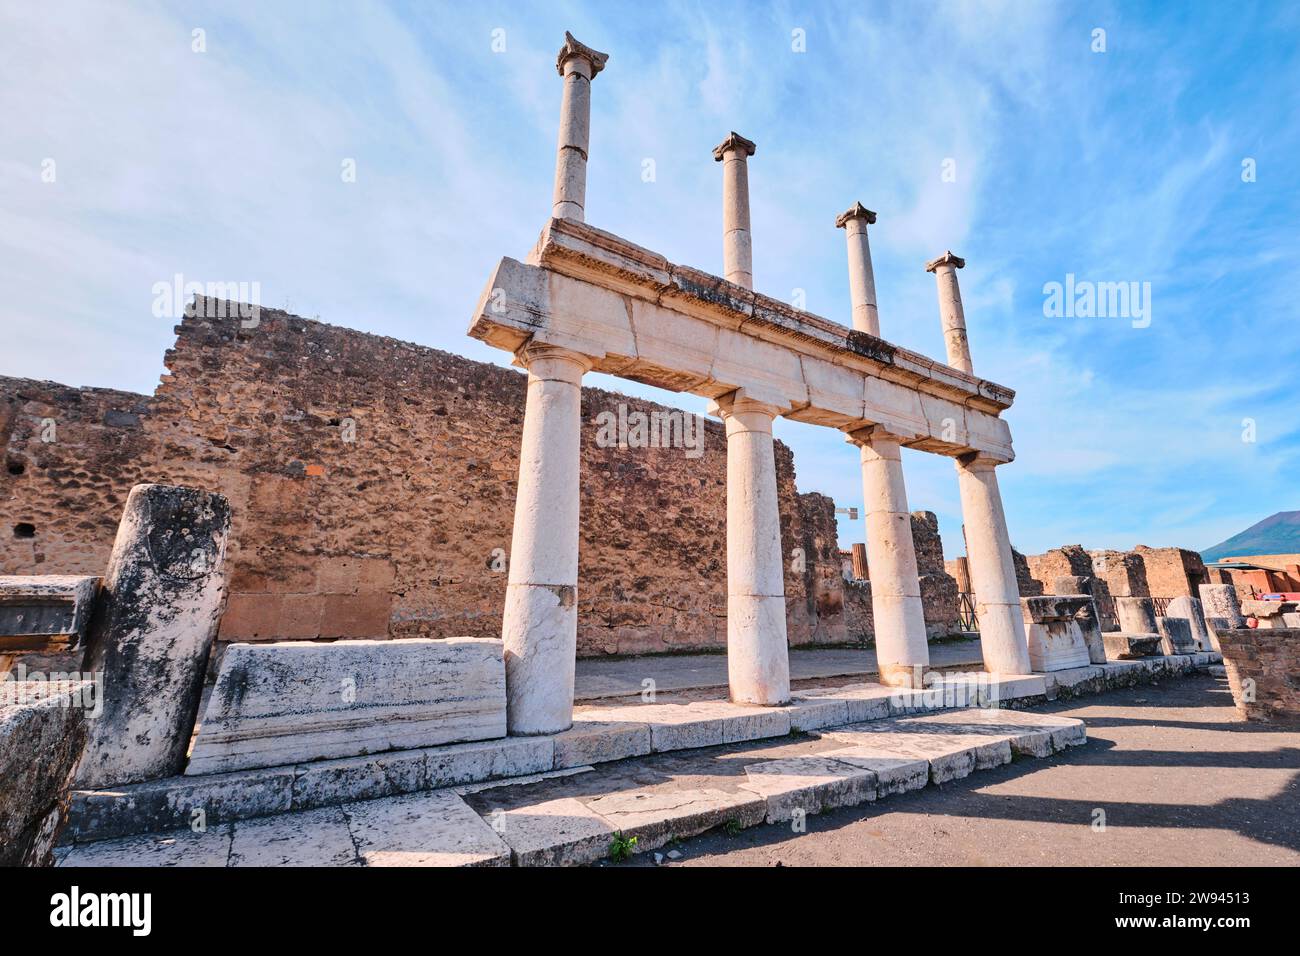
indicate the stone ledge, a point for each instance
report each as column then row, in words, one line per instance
column 600, row 734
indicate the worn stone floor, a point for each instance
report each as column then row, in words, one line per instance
column 598, row 678
column 1181, row 781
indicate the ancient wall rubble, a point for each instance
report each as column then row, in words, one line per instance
column 1142, row 572
column 372, row 484
column 938, row 586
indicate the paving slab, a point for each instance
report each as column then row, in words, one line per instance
column 561, row 832
column 436, row 828
column 310, row 838
column 809, row 785
column 174, row 848
column 656, row 816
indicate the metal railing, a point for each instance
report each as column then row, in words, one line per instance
column 966, row 617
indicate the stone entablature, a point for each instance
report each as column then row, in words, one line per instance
column 641, row 317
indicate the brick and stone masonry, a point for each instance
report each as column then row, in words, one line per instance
column 1263, row 666
column 372, row 487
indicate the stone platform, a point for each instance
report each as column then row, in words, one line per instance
column 601, row 735
column 574, row 817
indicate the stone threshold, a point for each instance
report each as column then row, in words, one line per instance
column 601, row 734
column 576, row 816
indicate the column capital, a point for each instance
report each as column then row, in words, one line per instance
column 534, row 352
column 741, row 402
column 572, row 48
column 734, row 143
column 869, row 434
column 856, row 211
column 947, row 259
column 979, row 461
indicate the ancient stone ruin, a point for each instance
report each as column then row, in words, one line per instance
column 349, row 678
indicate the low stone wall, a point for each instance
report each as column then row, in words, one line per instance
column 1263, row 666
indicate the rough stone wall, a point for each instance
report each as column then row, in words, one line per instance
column 823, row 577
column 1270, row 657
column 1172, row 572
column 1067, row 561
column 1025, row 581
column 70, row 456
column 938, row 587
column 372, row 484
column 1123, row 571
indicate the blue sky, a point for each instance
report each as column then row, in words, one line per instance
column 1123, row 165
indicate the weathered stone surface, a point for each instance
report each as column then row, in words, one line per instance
column 1121, row 646
column 1137, row 615
column 237, row 415
column 1263, row 669
column 161, row 606
column 597, row 741
column 562, row 832
column 488, row 760
column 154, row 806
column 656, row 816
column 173, row 848
column 45, row 612
column 1222, row 610
column 300, row 701
column 1176, row 635
column 809, row 784
column 1189, row 609
column 43, row 729
column 701, row 723
column 951, row 756
column 310, row 838
column 436, row 828
column 1056, row 639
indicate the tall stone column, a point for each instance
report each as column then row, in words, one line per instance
column 578, row 64
column 152, row 633
column 902, row 652
column 992, row 571
column 737, row 247
column 950, row 311
column 540, row 622
column 862, row 280
column 758, row 661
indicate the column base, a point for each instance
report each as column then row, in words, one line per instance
column 904, row 675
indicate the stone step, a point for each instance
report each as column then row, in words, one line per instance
column 573, row 816
column 600, row 734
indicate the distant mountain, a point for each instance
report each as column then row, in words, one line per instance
column 1276, row 534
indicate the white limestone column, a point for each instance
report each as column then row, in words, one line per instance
column 992, row 570
column 737, row 247
column 902, row 653
column 862, row 280
column 540, row 622
column 758, row 662
column 950, row 311
column 578, row 65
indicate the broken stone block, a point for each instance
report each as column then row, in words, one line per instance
column 1176, row 635
column 1137, row 615
column 1126, row 647
column 1056, row 639
column 1189, row 609
column 299, row 701
column 43, row 727
column 1222, row 610
column 45, row 613
column 151, row 638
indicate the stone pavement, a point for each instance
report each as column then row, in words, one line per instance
column 622, row 677
column 1182, row 780
column 574, row 817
